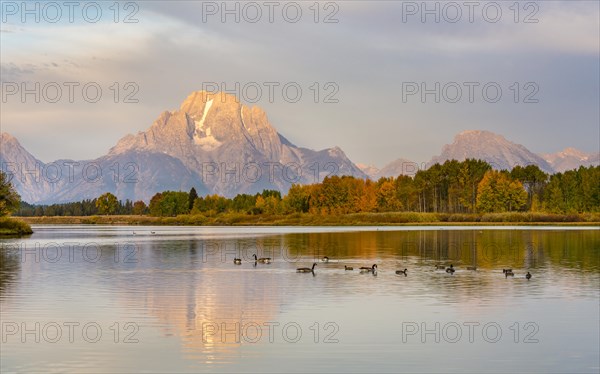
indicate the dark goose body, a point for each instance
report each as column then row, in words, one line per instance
column 307, row 270
column 365, row 269
column 262, row 260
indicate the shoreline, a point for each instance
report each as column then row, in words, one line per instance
column 357, row 219
column 11, row 227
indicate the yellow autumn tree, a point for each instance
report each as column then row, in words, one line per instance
column 107, row 204
column 368, row 196
column 497, row 192
column 387, row 199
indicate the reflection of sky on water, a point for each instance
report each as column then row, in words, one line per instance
column 178, row 288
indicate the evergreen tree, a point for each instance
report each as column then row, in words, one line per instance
column 192, row 199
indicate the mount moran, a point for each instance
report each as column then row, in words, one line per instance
column 220, row 146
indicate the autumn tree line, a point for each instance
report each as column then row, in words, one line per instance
column 470, row 186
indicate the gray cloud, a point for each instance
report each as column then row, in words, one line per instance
column 12, row 72
column 368, row 54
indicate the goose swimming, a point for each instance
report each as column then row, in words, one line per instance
column 262, row 260
column 307, row 270
column 371, row 269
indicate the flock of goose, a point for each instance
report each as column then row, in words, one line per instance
column 364, row 269
column 373, row 269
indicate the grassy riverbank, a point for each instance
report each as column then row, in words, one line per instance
column 10, row 227
column 358, row 219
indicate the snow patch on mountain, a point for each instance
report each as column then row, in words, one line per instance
column 204, row 137
column 242, row 117
column 208, row 142
column 200, row 123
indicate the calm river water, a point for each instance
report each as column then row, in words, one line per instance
column 170, row 299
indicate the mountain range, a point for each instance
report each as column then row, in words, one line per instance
column 220, row 146
column 496, row 150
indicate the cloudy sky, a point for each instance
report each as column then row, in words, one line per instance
column 367, row 57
